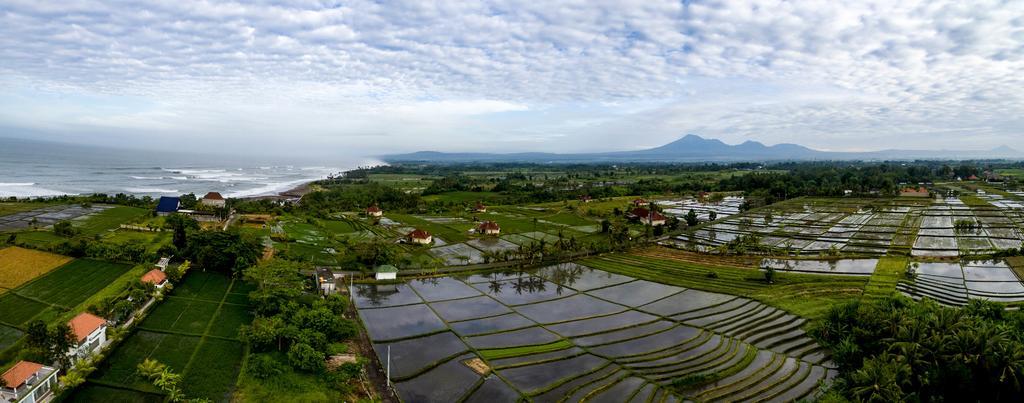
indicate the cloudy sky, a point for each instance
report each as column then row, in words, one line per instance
column 353, row 76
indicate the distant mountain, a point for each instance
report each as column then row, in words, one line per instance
column 693, row 148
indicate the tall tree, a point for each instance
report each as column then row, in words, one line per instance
column 277, row 281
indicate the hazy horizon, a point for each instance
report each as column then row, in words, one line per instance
column 316, row 79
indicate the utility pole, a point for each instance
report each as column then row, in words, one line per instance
column 389, row 367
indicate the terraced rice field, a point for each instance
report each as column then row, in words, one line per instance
column 915, row 227
column 571, row 332
column 19, row 265
column 194, row 331
column 803, row 294
column 957, row 282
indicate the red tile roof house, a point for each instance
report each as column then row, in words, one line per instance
column 156, row 278
column 374, row 211
column 479, row 208
column 639, row 202
column 90, row 334
column 488, row 228
column 28, row 382
column 648, row 217
column 586, row 199
column 214, row 199
column 420, row 237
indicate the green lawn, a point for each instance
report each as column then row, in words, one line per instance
column 109, row 219
column 153, row 240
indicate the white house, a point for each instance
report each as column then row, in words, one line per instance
column 488, row 228
column 325, row 280
column 374, row 211
column 420, row 237
column 90, row 334
column 214, row 199
column 386, row 272
column 155, row 277
column 28, row 382
column 162, row 263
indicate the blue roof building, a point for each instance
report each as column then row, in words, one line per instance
column 168, row 205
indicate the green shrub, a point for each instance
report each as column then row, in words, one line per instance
column 264, row 366
column 304, row 357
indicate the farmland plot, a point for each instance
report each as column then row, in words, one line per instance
column 956, row 283
column 194, row 331
column 571, row 332
column 18, row 265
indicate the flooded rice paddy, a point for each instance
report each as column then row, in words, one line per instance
column 572, row 332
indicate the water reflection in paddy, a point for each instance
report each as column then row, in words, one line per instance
column 381, row 295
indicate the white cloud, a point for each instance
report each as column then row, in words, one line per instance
column 578, row 75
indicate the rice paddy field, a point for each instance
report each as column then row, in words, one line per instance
column 108, row 219
column 19, row 265
column 572, row 332
column 194, row 331
column 521, row 226
column 49, row 296
column 21, row 217
column 914, row 227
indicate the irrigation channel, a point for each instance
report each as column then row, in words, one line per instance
column 569, row 333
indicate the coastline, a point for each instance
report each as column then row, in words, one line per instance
column 295, row 193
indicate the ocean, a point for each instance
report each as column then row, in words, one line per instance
column 38, row 169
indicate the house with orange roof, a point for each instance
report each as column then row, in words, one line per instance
column 28, row 382
column 488, row 228
column 648, row 217
column 155, row 277
column 420, row 237
column 90, row 334
column 214, row 199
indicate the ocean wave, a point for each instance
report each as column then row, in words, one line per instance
column 269, row 189
column 151, row 190
column 27, row 189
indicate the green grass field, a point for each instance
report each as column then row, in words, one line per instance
column 74, row 282
column 91, row 392
column 809, row 296
column 194, row 331
column 16, row 310
column 109, row 219
column 61, row 290
column 7, row 208
column 153, row 240
column 467, row 197
column 40, row 238
column 448, row 232
column 887, row 273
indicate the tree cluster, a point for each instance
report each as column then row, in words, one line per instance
column 897, row 350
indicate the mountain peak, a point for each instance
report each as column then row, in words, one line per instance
column 1005, row 149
